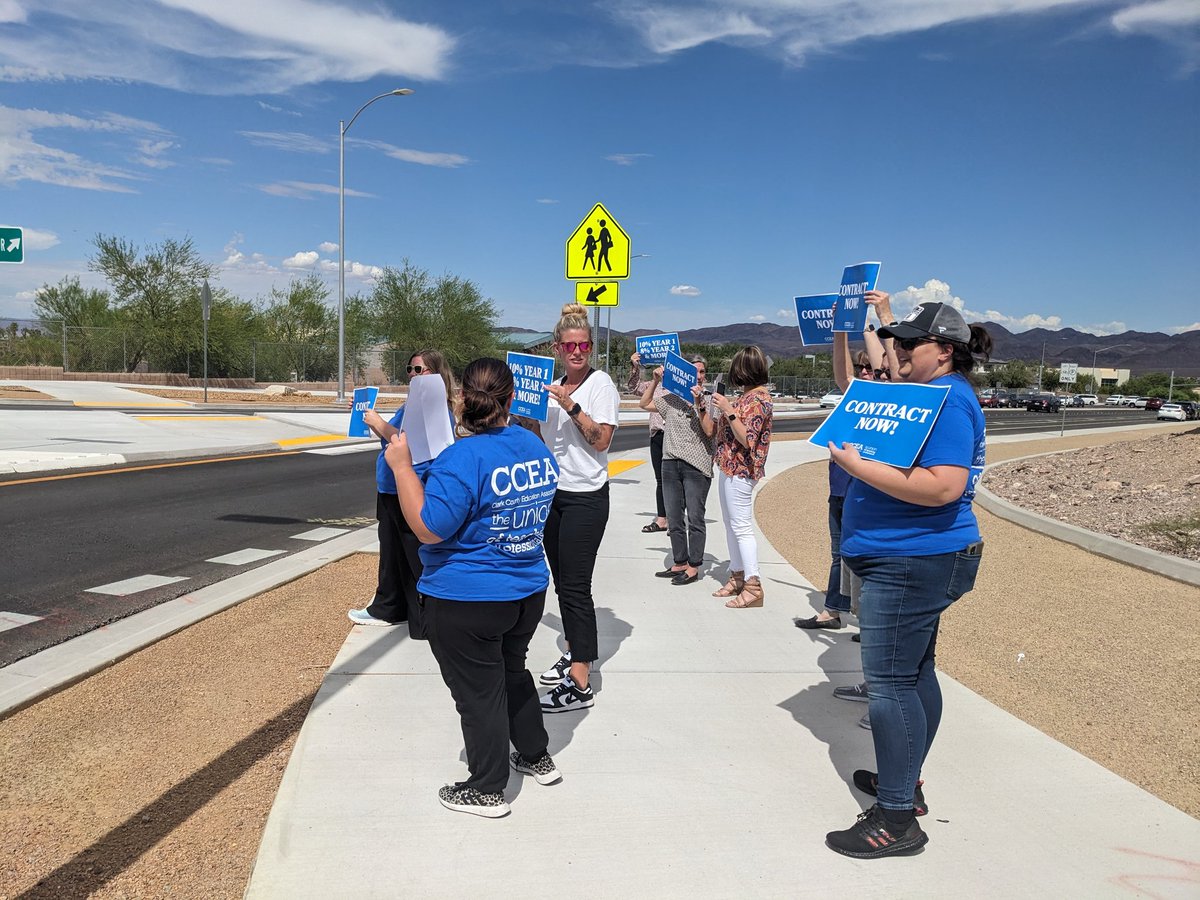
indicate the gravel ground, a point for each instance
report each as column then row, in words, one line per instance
column 154, row 778
column 1145, row 492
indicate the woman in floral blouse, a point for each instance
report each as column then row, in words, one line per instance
column 742, row 440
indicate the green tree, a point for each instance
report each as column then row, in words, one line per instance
column 1157, row 384
column 298, row 331
column 150, row 290
column 92, row 342
column 411, row 310
column 1014, row 375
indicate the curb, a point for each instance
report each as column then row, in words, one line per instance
column 36, row 677
column 1152, row 561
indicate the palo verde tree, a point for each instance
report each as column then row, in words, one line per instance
column 150, row 291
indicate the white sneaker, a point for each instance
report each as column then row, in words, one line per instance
column 557, row 672
column 567, row 697
column 362, row 617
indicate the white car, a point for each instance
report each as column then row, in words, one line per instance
column 1089, row 399
column 1138, row 402
column 1172, row 411
column 833, row 398
column 1115, row 400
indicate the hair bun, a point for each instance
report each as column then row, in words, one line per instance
column 574, row 309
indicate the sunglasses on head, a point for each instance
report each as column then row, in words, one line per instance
column 910, row 344
column 417, row 370
column 569, row 346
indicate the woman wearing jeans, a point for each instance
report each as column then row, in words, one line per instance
column 912, row 538
column 582, row 418
column 743, row 435
column 479, row 518
column 686, row 470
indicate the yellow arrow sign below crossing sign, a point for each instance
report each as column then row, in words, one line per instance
column 598, row 250
column 597, row 293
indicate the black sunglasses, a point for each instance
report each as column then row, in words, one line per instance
column 908, row 345
column 417, row 370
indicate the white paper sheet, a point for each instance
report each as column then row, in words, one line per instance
column 426, row 421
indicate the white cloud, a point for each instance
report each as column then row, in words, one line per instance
column 150, row 153
column 796, row 29
column 758, row 318
column 936, row 291
column 1181, row 329
column 327, row 246
column 685, row 290
column 1104, row 329
column 627, row 159
column 304, row 190
column 291, row 141
column 26, row 296
column 278, row 109
column 34, row 239
column 1172, row 21
column 420, row 157
column 24, row 158
column 356, row 270
column 305, row 259
column 218, row 47
column 788, row 315
column 546, row 200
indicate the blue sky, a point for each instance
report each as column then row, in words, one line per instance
column 1033, row 161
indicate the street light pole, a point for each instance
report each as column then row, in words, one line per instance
column 1098, row 351
column 343, row 127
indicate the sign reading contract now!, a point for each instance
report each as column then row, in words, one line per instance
column 886, row 422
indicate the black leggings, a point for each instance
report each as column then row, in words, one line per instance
column 656, row 457
column 480, row 648
column 573, row 534
column 396, row 598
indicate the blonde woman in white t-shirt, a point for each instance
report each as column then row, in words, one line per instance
column 578, row 430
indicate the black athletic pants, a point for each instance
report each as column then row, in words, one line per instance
column 396, row 597
column 573, row 534
column 656, row 458
column 480, row 647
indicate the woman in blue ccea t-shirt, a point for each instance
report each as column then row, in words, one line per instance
column 912, row 538
column 396, row 599
column 479, row 516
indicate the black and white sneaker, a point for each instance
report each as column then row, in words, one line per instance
column 567, row 697
column 542, row 769
column 464, row 799
column 557, row 672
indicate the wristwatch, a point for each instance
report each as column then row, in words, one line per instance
column 574, row 410
column 732, row 417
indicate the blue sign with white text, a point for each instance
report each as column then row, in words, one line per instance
column 679, row 376
column 888, row 422
column 364, row 399
column 814, row 313
column 531, row 374
column 851, row 312
column 653, row 348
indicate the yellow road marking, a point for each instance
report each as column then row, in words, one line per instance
column 170, row 465
column 168, row 404
column 315, row 439
column 201, row 418
column 617, row 466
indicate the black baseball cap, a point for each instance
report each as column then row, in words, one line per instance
column 935, row 320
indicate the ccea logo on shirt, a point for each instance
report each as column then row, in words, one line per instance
column 523, row 476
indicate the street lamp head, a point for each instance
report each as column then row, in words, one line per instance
column 401, row 92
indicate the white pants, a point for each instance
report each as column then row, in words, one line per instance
column 737, row 509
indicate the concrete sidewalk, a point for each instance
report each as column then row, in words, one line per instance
column 712, row 765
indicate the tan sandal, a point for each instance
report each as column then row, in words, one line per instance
column 751, row 595
column 733, row 586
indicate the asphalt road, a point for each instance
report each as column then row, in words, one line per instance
column 62, row 537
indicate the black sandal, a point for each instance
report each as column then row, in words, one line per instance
column 653, row 527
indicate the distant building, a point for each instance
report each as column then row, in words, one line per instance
column 536, row 342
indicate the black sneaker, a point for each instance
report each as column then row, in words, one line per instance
column 868, row 783
column 557, row 672
column 567, row 697
column 542, row 769
column 464, row 799
column 873, row 836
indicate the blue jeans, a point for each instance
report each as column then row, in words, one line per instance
column 835, row 601
column 901, row 604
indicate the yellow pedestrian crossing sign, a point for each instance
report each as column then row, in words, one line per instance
column 598, row 249
column 597, row 293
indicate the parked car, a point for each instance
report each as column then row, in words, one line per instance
column 1129, row 401
column 994, row 400
column 1153, row 403
column 1088, row 399
column 1138, row 402
column 1021, row 398
column 1114, row 400
column 1172, row 411
column 1074, row 400
column 1044, row 402
column 1192, row 409
column 832, row 399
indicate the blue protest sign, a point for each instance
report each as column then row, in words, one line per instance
column 814, row 313
column 364, row 399
column 653, row 348
column 679, row 376
column 887, row 421
column 531, row 374
column 851, row 312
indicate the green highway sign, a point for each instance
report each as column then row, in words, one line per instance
column 12, row 249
